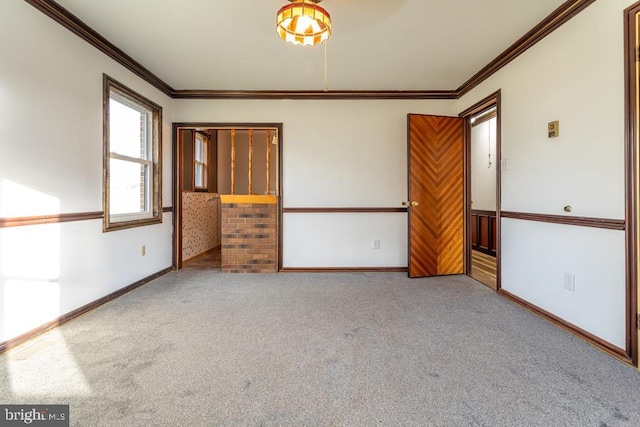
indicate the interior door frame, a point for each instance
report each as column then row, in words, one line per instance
column 177, row 181
column 482, row 105
column 632, row 177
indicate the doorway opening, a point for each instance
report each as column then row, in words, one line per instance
column 222, row 170
column 483, row 166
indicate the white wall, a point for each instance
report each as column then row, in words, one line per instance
column 345, row 240
column 594, row 256
column 51, row 163
column 335, row 154
column 483, row 174
column 576, row 76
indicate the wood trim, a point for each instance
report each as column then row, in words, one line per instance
column 21, row 339
column 71, row 22
column 562, row 14
column 167, row 209
column 177, row 174
column 484, row 104
column 257, row 199
column 575, row 330
column 344, row 270
column 484, row 118
column 49, row 219
column 483, row 212
column 498, row 100
column 279, row 185
column 605, row 223
column 344, row 210
column 68, row 20
column 176, row 185
column 230, row 125
column 311, row 94
column 129, row 94
column 492, row 100
column 632, row 122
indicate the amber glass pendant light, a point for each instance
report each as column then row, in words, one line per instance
column 303, row 22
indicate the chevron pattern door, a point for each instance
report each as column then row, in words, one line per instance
column 436, row 195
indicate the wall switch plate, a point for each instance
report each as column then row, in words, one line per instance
column 504, row 164
column 570, row 282
column 375, row 244
column 554, row 129
column 144, row 250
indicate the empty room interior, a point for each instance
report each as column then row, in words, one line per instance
column 321, row 212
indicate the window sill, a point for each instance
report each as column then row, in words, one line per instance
column 121, row 225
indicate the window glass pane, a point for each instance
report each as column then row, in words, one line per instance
column 199, row 175
column 200, row 162
column 127, row 130
column 198, row 154
column 146, row 130
column 205, row 145
column 127, row 187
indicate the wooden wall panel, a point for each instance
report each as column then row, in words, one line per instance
column 186, row 139
column 483, row 231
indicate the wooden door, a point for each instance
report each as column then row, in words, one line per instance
column 436, row 195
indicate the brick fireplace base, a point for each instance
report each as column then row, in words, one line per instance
column 249, row 237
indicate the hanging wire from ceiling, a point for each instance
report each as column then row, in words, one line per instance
column 489, row 128
column 326, row 74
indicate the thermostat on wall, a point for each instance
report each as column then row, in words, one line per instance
column 554, row 129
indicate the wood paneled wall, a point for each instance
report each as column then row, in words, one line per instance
column 483, row 231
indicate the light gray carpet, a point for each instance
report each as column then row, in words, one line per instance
column 197, row 348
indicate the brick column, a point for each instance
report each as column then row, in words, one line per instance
column 249, row 237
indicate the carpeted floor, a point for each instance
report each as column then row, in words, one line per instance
column 199, row 348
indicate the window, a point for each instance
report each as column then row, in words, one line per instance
column 200, row 162
column 132, row 181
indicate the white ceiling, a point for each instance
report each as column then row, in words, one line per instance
column 376, row 44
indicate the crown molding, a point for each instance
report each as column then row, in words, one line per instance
column 71, row 22
column 314, row 94
column 562, row 14
column 558, row 17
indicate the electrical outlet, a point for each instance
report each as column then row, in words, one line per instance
column 375, row 244
column 570, row 282
column 144, row 250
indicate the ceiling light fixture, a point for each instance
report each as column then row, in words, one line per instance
column 304, row 23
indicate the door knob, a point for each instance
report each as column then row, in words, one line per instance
column 414, row 204
column 410, row 204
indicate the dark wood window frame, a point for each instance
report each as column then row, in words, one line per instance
column 153, row 190
column 206, row 139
